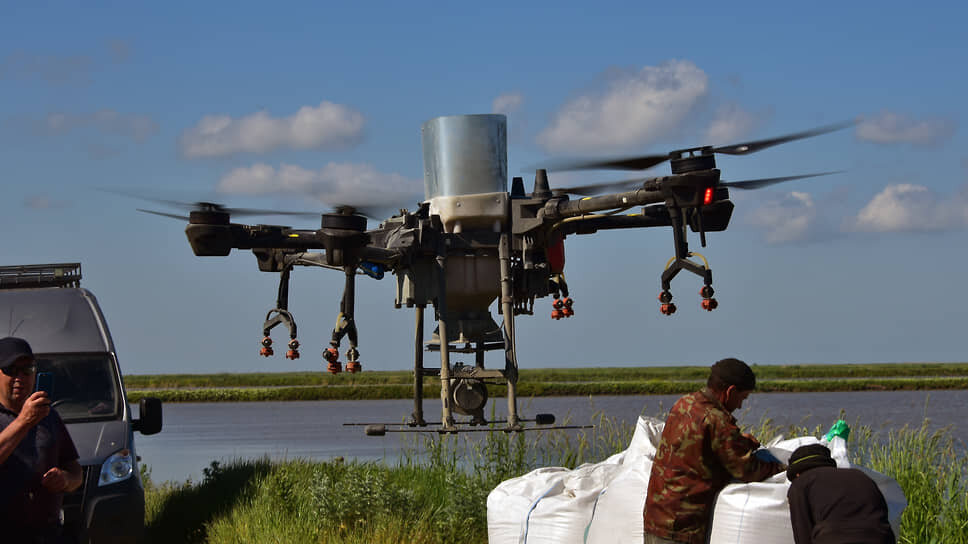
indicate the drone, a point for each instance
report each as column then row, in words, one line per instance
column 472, row 242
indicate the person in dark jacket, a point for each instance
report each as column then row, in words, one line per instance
column 830, row 505
column 38, row 461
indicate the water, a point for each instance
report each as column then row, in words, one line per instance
column 194, row 435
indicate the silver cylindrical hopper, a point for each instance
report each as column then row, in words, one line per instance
column 464, row 155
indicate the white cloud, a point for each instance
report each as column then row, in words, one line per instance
column 790, row 218
column 336, row 183
column 635, row 109
column 507, row 103
column 134, row 126
column 730, row 124
column 894, row 128
column 327, row 126
column 907, row 207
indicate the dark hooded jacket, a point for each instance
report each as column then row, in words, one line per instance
column 830, row 505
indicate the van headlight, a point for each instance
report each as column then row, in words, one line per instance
column 117, row 468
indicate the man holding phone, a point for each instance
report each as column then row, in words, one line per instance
column 38, row 460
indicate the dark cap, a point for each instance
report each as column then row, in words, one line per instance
column 13, row 349
column 734, row 372
column 808, row 457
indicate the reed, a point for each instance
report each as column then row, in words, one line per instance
column 438, row 491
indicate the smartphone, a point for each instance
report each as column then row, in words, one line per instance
column 44, row 382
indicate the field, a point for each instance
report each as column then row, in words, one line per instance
column 441, row 497
column 543, row 382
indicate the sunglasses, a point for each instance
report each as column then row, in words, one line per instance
column 19, row 370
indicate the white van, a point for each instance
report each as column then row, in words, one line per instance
column 45, row 305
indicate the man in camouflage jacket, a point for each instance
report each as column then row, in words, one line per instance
column 701, row 450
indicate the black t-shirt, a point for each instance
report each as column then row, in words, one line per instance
column 23, row 500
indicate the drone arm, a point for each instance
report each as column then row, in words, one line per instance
column 653, row 216
column 570, row 208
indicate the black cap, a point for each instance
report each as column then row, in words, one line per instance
column 734, row 372
column 13, row 349
column 808, row 457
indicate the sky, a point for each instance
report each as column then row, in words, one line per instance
column 295, row 106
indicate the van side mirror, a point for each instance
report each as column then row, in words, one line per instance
column 150, row 411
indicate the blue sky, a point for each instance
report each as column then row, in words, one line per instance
column 295, row 105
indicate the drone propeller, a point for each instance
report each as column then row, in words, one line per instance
column 202, row 206
column 163, row 214
column 220, row 208
column 629, row 184
column 648, row 161
column 765, row 182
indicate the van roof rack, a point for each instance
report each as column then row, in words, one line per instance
column 40, row 275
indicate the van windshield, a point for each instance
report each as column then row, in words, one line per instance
column 85, row 386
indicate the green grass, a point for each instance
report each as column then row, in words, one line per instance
column 542, row 382
column 440, row 495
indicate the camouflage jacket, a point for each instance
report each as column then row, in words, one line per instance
column 701, row 450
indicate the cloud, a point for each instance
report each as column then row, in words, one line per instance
column 133, row 126
column 896, row 128
column 335, row 183
column 327, row 126
column 729, row 125
column 635, row 109
column 792, row 217
column 911, row 208
column 507, row 103
column 53, row 69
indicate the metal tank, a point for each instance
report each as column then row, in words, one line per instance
column 465, row 154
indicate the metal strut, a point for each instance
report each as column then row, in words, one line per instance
column 510, row 351
column 447, row 418
column 280, row 314
column 417, row 419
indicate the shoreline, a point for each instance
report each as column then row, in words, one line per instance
column 382, row 385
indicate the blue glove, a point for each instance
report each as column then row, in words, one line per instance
column 764, row 455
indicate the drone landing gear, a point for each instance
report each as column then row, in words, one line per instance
column 277, row 315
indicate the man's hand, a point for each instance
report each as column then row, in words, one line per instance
column 752, row 439
column 58, row 480
column 55, row 480
column 36, row 408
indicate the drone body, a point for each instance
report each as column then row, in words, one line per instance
column 471, row 242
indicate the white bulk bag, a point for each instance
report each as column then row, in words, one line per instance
column 602, row 503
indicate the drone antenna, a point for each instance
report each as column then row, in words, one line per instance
column 541, row 187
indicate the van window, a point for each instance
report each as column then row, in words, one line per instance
column 85, row 386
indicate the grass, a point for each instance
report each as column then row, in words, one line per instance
column 438, row 492
column 285, row 386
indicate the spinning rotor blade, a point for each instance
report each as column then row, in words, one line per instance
column 631, row 163
column 648, row 161
column 207, row 206
column 596, row 188
column 752, row 147
column 163, row 214
column 764, row 182
column 630, row 184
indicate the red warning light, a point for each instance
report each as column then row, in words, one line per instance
column 708, row 197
